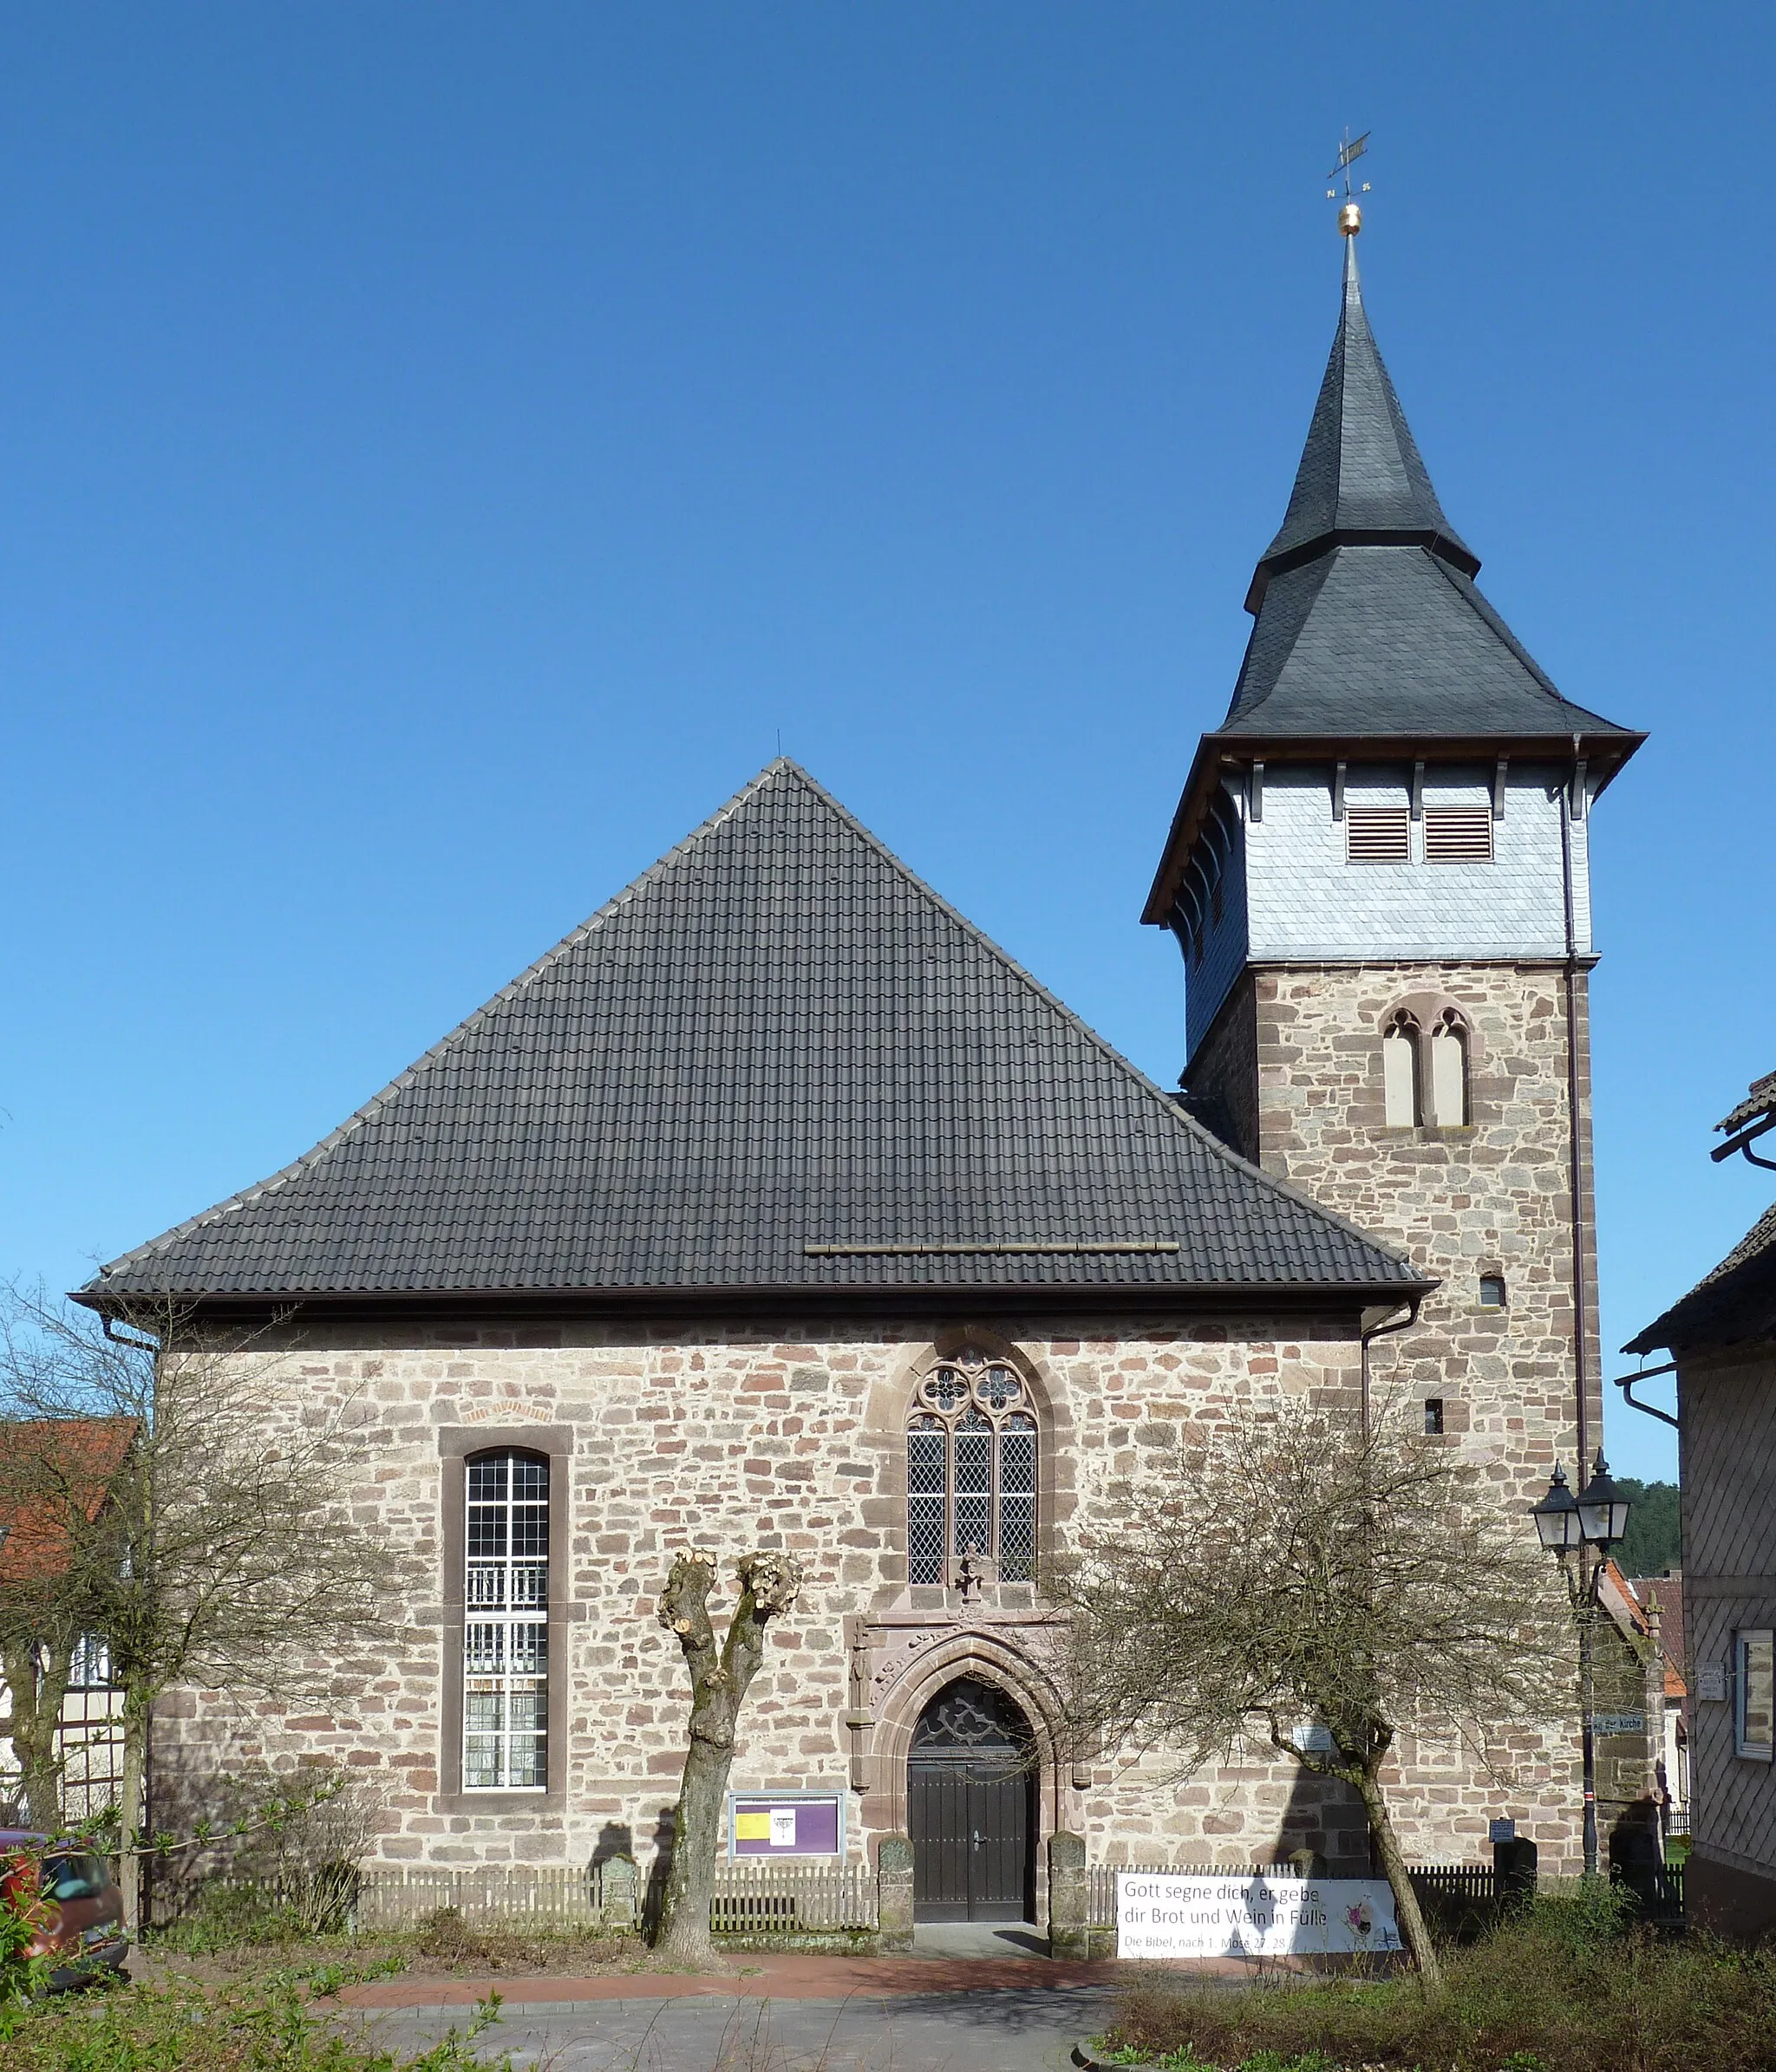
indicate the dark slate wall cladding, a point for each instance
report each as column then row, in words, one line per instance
column 777, row 1037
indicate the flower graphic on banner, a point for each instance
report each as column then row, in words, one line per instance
column 1361, row 1916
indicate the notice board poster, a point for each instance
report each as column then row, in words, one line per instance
column 1164, row 1913
column 785, row 1824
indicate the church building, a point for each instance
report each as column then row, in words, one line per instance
column 777, row 1208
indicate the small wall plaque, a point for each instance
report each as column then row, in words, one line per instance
column 1713, row 1682
column 1501, row 1831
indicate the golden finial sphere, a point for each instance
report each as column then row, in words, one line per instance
column 1350, row 220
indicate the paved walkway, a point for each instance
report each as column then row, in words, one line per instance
column 969, row 1998
column 1034, row 2029
column 950, row 1961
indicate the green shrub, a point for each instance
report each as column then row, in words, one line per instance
column 229, row 1916
column 1565, row 1986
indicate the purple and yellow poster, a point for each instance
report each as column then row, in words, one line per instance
column 785, row 1824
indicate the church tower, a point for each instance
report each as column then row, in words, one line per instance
column 1378, row 874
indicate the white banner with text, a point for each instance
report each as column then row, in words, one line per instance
column 1166, row 1914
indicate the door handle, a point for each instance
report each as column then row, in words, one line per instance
column 977, row 1838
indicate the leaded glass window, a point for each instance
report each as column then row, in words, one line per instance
column 971, row 1471
column 505, row 1624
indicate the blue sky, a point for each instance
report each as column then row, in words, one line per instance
column 442, row 449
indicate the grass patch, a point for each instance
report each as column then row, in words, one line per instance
column 1566, row 1987
column 265, row 2027
column 240, row 1937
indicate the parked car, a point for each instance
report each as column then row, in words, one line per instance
column 77, row 1901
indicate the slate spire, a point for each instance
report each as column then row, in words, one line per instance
column 1360, row 481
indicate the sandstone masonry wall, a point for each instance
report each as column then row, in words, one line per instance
column 744, row 1438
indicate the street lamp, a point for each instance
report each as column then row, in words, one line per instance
column 1587, row 1525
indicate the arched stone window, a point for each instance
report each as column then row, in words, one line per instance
column 971, row 1471
column 1449, row 1043
column 506, row 1622
column 1401, row 1072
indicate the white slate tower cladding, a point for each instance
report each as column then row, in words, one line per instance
column 1379, row 875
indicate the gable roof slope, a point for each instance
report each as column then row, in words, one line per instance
column 777, row 1061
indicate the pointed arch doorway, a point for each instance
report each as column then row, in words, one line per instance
column 971, row 1807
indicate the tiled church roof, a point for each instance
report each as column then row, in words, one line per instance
column 773, row 1051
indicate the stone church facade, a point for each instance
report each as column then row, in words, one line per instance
column 777, row 1208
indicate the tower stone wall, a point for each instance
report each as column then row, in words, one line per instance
column 1294, row 1058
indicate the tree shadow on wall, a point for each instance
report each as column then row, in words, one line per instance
column 655, row 1897
column 1325, row 1816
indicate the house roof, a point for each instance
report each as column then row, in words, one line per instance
column 51, row 1469
column 1621, row 1600
column 777, row 1062
column 1669, row 1591
column 1733, row 1305
column 1759, row 1101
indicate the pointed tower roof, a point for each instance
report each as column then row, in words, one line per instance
column 1362, row 481
column 1372, row 640
column 777, row 1067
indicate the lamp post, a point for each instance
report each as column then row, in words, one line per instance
column 1585, row 1526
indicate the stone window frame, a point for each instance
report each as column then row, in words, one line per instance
column 455, row 1443
column 889, row 1407
column 1426, row 1013
column 926, row 1414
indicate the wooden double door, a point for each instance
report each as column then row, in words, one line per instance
column 971, row 1793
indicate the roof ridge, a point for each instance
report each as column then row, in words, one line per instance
column 779, row 766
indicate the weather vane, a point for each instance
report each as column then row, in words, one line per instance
column 1350, row 217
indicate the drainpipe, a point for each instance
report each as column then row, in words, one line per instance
column 1381, row 1329
column 1575, row 1147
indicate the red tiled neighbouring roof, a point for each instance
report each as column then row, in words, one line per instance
column 49, row 1467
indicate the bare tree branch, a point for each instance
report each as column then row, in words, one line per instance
column 217, row 1549
column 1297, row 1572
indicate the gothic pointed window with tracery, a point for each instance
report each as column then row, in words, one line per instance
column 971, row 1471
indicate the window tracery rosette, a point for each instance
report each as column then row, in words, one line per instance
column 971, row 1471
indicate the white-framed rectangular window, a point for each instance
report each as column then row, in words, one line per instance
column 89, row 1664
column 1457, row 834
column 1377, row 834
column 505, row 1623
column 1755, row 1695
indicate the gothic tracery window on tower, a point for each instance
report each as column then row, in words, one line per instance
column 1400, row 1068
column 505, row 1623
column 971, row 1471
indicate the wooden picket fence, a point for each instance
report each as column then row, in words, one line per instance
column 767, row 1898
column 502, row 1895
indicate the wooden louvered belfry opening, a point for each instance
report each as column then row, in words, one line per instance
column 1457, row 834
column 1378, row 834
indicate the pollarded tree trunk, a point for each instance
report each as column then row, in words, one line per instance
column 1408, row 1912
column 769, row 1583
